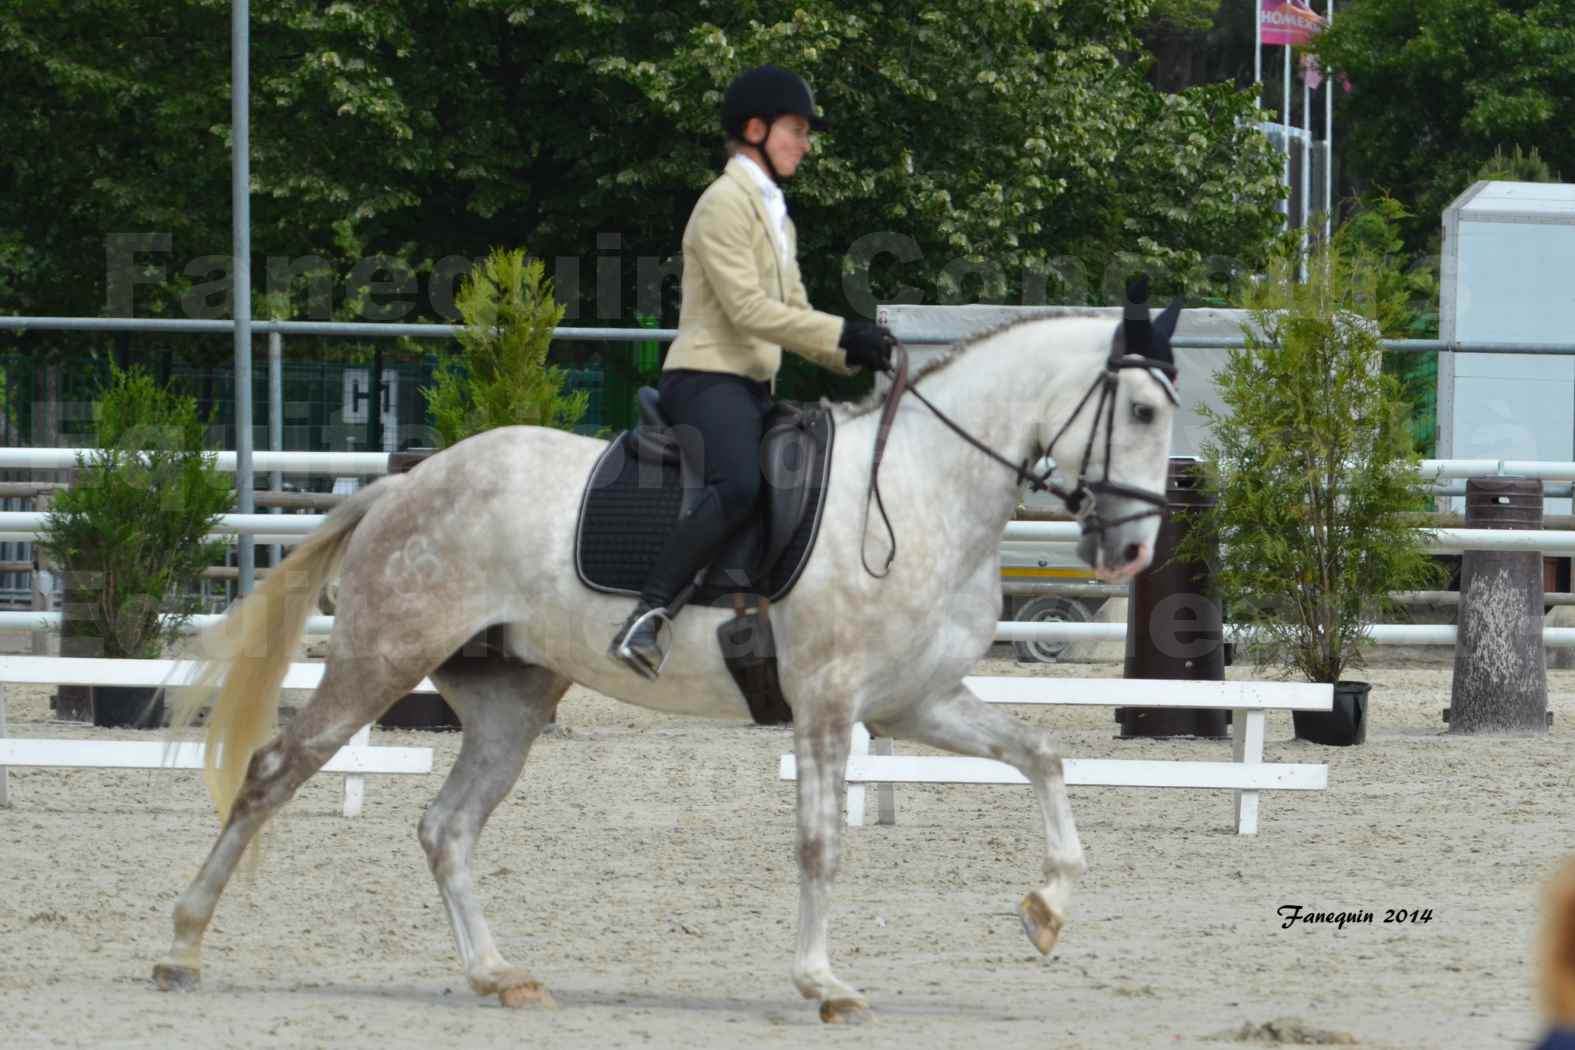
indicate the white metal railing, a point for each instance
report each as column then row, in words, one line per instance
column 288, row 462
column 357, row 758
column 1005, row 631
column 377, row 463
column 1444, row 540
column 1541, row 469
column 1380, row 634
column 25, row 525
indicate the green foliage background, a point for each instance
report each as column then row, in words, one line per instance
column 1439, row 86
column 998, row 135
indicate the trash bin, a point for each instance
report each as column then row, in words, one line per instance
column 1174, row 625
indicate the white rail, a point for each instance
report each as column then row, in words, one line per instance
column 1542, row 469
column 30, row 523
column 377, row 463
column 1548, row 541
column 26, row 525
column 1381, row 634
column 345, row 463
column 356, row 759
column 1005, row 631
column 872, row 763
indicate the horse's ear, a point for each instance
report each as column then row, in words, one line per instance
column 1165, row 323
column 1137, row 290
column 1137, row 331
column 1164, row 328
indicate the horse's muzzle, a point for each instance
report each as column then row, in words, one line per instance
column 1113, row 563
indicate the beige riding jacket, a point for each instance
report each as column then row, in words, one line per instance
column 742, row 304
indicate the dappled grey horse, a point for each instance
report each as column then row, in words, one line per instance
column 482, row 537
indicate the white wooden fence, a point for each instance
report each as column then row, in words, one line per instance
column 1247, row 775
column 356, row 760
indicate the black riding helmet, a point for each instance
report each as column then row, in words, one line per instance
column 767, row 92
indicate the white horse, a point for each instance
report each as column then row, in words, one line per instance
column 483, row 533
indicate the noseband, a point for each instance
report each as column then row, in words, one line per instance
column 1080, row 499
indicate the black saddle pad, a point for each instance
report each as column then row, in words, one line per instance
column 631, row 504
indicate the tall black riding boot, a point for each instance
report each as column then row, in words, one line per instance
column 689, row 549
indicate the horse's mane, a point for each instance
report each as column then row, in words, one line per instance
column 876, row 398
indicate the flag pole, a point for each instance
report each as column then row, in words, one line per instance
column 1328, row 142
column 1257, row 52
column 1285, row 137
column 1306, row 167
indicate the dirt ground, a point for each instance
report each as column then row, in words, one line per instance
column 644, row 870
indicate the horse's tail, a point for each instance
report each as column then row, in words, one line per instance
column 1558, row 945
column 245, row 656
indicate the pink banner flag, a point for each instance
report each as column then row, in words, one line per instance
column 1288, row 22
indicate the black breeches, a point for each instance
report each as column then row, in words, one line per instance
column 719, row 420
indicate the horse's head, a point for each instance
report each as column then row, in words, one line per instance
column 1120, row 435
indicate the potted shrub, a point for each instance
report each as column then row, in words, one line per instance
column 1315, row 477
column 498, row 377
column 129, row 534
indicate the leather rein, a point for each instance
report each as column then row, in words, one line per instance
column 1080, row 498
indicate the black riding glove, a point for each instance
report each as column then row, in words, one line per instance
column 868, row 345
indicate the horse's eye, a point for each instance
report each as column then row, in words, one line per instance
column 1142, row 413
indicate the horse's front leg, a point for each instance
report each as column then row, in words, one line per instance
column 960, row 722
column 822, row 741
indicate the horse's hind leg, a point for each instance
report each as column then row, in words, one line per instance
column 822, row 740
column 504, row 708
column 962, row 723
column 346, row 700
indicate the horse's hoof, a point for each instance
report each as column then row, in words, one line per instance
column 1040, row 922
column 169, row 977
column 530, row 994
column 846, row 1011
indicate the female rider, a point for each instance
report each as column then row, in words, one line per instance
column 743, row 303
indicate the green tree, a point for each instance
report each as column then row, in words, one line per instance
column 501, row 376
column 131, row 531
column 1516, row 166
column 1314, row 469
column 1405, row 305
column 1439, row 86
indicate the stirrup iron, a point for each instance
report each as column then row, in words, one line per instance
column 633, row 659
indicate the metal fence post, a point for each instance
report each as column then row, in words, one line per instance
column 276, row 427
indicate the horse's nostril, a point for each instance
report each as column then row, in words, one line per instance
column 1131, row 553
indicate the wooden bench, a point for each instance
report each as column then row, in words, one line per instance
column 356, row 760
column 1247, row 775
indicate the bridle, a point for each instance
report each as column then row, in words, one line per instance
column 1081, row 498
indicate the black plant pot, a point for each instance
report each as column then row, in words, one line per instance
column 1344, row 726
column 127, row 705
column 419, row 711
